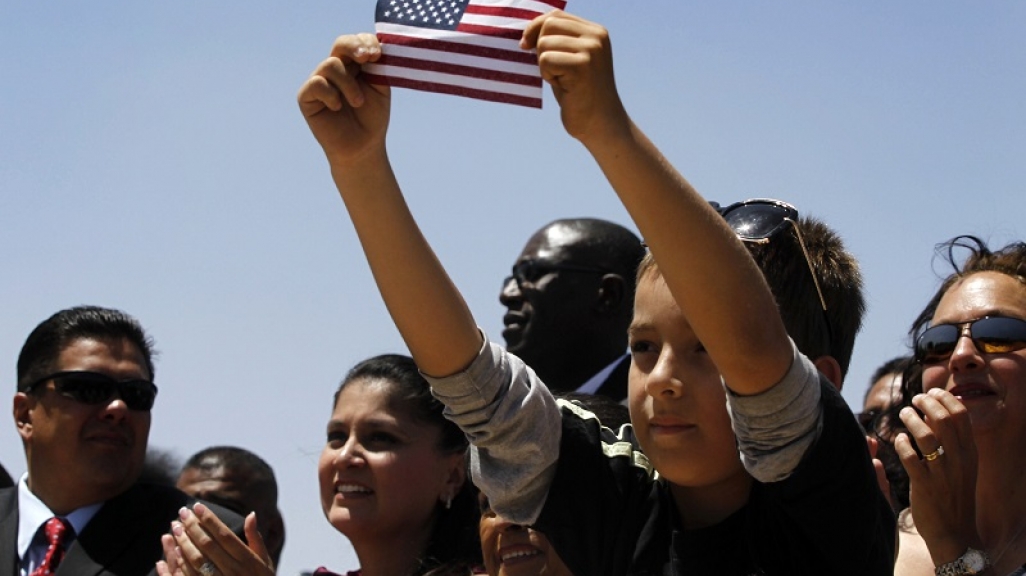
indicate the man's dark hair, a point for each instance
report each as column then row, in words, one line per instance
column 787, row 273
column 159, row 467
column 44, row 345
column 259, row 473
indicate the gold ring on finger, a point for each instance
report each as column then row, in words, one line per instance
column 934, row 455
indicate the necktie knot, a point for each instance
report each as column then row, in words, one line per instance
column 57, row 530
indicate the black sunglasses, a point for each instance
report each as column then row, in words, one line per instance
column 94, row 388
column 531, row 271
column 760, row 219
column 867, row 418
column 990, row 335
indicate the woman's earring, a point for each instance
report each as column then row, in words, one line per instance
column 448, row 501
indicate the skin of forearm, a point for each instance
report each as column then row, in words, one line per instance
column 727, row 307
column 428, row 310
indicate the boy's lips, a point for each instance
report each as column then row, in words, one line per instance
column 668, row 425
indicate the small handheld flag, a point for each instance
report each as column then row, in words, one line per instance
column 464, row 47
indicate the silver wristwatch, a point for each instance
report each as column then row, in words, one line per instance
column 973, row 561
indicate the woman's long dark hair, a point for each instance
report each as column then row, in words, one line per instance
column 454, row 546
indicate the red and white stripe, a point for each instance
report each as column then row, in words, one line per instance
column 481, row 59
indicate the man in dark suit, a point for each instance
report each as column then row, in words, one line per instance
column 569, row 302
column 83, row 413
column 5, row 478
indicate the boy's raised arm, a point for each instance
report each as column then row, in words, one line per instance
column 349, row 118
column 707, row 269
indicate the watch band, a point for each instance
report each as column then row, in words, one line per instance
column 971, row 562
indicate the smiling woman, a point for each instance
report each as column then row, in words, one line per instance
column 392, row 473
column 513, row 550
column 968, row 390
column 392, row 479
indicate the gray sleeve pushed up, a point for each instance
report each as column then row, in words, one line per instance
column 513, row 424
column 775, row 429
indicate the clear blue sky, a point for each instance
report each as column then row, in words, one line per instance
column 152, row 158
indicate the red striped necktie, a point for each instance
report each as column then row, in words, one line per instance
column 57, row 530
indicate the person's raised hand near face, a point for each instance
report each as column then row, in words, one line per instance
column 943, row 481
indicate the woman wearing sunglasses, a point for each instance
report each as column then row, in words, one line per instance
column 965, row 409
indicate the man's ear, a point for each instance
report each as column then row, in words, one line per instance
column 23, row 406
column 830, row 368
column 611, row 294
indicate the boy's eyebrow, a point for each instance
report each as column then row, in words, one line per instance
column 636, row 327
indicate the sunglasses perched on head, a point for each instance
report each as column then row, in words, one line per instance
column 760, row 219
column 530, row 271
column 990, row 335
column 94, row 388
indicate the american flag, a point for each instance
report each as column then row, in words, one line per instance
column 464, row 47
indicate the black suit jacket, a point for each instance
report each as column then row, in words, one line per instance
column 122, row 539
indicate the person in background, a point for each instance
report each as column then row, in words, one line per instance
column 159, row 467
column 392, row 480
column 884, row 390
column 568, row 304
column 962, row 411
column 241, row 481
column 82, row 409
column 509, row 549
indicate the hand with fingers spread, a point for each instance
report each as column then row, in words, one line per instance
column 576, row 58
column 201, row 545
column 348, row 116
column 943, row 480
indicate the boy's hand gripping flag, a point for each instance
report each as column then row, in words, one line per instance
column 463, row 47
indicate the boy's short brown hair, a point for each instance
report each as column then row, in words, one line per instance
column 787, row 273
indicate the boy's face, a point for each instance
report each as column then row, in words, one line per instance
column 678, row 405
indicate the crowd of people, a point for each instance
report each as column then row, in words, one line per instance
column 662, row 407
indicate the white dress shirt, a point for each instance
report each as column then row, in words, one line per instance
column 33, row 514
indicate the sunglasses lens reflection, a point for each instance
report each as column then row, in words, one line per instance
column 757, row 220
column 937, row 342
column 995, row 335
column 999, row 335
